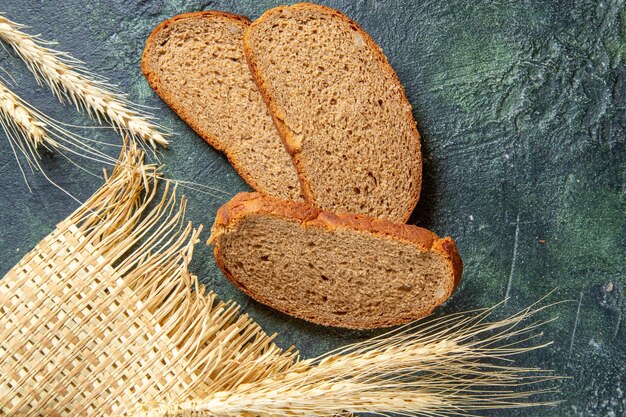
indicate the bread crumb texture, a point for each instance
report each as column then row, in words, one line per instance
column 195, row 62
column 340, row 108
column 348, row 271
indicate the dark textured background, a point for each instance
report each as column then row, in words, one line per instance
column 521, row 108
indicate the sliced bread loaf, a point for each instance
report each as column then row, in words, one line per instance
column 333, row 269
column 340, row 108
column 195, row 62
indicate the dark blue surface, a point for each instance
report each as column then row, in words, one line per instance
column 521, row 108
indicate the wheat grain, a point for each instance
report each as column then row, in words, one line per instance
column 69, row 79
column 23, row 128
column 28, row 129
column 14, row 111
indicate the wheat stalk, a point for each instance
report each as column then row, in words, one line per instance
column 447, row 367
column 28, row 129
column 69, row 79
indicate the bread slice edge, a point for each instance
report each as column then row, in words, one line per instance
column 244, row 204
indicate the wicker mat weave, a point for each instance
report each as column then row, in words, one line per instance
column 102, row 314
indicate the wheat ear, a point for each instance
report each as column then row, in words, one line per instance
column 69, row 79
column 21, row 125
column 28, row 130
column 457, row 365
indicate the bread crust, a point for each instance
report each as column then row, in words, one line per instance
column 244, row 204
column 179, row 110
column 278, row 116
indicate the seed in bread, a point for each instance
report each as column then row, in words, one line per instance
column 195, row 62
column 340, row 108
column 333, row 269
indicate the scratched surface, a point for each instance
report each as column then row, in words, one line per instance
column 521, row 108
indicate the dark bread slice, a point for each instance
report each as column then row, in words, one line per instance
column 195, row 62
column 340, row 109
column 333, row 269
